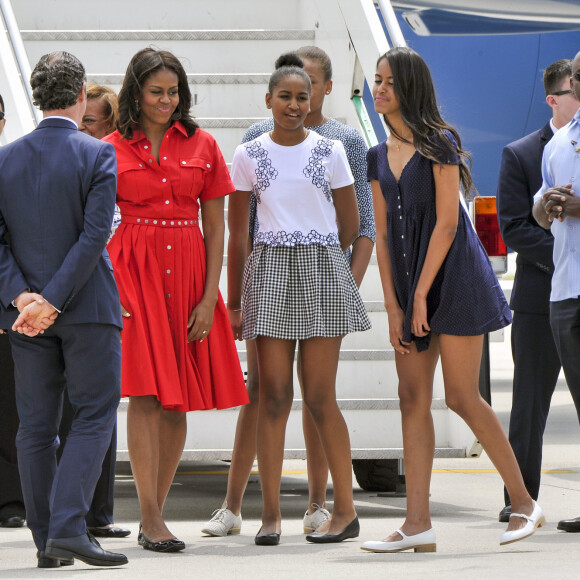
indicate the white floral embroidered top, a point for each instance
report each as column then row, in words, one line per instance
column 293, row 187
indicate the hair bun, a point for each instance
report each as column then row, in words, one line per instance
column 289, row 59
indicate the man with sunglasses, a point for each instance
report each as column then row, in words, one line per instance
column 536, row 361
column 557, row 208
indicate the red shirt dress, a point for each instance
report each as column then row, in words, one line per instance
column 159, row 262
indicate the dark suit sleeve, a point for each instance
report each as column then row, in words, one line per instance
column 518, row 228
column 12, row 280
column 82, row 258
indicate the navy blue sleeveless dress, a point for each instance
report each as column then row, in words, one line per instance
column 465, row 298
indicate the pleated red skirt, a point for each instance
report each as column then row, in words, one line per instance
column 160, row 272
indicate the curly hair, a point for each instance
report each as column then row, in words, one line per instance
column 57, row 80
column 143, row 64
column 109, row 102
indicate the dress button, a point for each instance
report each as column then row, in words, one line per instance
column 164, row 180
column 154, row 221
column 169, row 247
column 150, row 160
column 178, row 223
column 172, row 223
column 163, row 223
column 146, row 147
column 168, row 295
column 165, row 159
column 138, row 220
column 208, row 165
column 403, row 237
column 166, row 202
column 146, row 221
column 140, row 164
column 169, row 271
column 184, row 163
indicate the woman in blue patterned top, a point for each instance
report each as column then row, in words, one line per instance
column 297, row 287
column 441, row 294
column 228, row 520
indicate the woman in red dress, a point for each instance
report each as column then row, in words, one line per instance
column 178, row 348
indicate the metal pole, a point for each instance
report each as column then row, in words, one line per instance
column 19, row 52
column 390, row 18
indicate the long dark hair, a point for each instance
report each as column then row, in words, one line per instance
column 143, row 64
column 413, row 86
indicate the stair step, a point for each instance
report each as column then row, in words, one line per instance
column 116, row 79
column 165, row 35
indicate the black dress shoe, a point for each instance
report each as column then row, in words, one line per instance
column 45, row 562
column 12, row 522
column 351, row 531
column 85, row 548
column 272, row 539
column 112, row 532
column 173, row 545
column 504, row 515
column 572, row 525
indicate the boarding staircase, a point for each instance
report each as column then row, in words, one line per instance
column 228, row 48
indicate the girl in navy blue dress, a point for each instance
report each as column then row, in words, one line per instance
column 441, row 294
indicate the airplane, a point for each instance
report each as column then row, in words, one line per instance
column 487, row 60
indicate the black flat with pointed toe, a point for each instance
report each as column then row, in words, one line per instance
column 351, row 531
column 272, row 539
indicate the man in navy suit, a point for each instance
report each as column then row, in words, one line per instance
column 536, row 361
column 58, row 294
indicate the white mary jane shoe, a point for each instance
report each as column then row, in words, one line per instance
column 536, row 520
column 423, row 542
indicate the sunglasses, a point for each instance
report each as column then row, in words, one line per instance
column 2, row 115
column 576, row 76
column 560, row 93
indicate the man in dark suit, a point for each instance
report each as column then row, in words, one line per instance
column 12, row 512
column 536, row 361
column 57, row 293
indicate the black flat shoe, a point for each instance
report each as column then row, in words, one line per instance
column 351, row 531
column 173, row 545
column 113, row 532
column 272, row 539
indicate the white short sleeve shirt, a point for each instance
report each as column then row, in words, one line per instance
column 293, row 187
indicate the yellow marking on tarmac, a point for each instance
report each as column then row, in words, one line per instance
column 304, row 472
column 289, row 472
column 495, row 471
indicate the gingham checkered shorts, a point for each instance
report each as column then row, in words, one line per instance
column 299, row 292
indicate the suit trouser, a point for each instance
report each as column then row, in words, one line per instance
column 536, row 370
column 565, row 322
column 86, row 358
column 10, row 491
column 100, row 513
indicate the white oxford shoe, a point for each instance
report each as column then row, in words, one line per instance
column 536, row 520
column 423, row 542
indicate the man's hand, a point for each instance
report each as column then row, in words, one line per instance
column 560, row 202
column 36, row 314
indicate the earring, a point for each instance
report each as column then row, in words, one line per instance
column 137, row 105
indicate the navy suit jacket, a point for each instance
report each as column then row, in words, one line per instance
column 520, row 177
column 57, row 197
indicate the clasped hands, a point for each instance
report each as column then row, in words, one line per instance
column 560, row 202
column 36, row 314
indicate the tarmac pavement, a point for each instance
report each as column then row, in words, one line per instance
column 466, row 496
